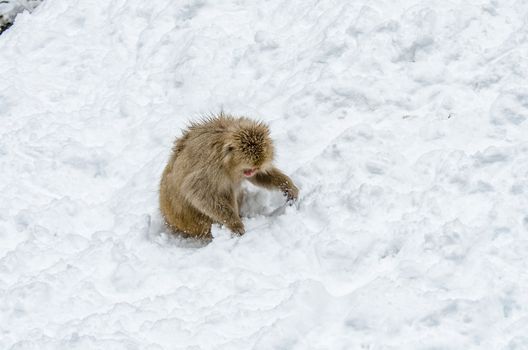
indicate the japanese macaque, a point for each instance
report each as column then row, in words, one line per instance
column 201, row 184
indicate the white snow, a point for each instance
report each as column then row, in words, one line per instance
column 9, row 9
column 404, row 123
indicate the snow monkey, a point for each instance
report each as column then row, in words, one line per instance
column 201, row 184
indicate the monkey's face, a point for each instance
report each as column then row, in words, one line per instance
column 246, row 166
column 248, row 172
column 249, row 150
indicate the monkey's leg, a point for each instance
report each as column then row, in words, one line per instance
column 240, row 197
column 219, row 207
column 222, row 209
column 274, row 178
column 193, row 223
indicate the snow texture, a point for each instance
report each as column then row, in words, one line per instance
column 9, row 9
column 404, row 123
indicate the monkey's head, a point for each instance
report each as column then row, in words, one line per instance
column 249, row 148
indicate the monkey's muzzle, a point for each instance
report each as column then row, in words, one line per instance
column 250, row 172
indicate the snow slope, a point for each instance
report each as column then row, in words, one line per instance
column 404, row 123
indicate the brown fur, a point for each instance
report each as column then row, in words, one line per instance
column 201, row 184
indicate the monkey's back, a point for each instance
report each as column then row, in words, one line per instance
column 197, row 151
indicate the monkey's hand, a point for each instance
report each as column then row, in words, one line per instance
column 274, row 178
column 237, row 227
column 291, row 192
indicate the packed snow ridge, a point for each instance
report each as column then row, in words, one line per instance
column 403, row 123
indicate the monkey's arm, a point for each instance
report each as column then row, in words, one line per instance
column 216, row 204
column 274, row 178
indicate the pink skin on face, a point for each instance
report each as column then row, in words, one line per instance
column 250, row 172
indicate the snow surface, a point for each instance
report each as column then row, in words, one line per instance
column 9, row 9
column 404, row 123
